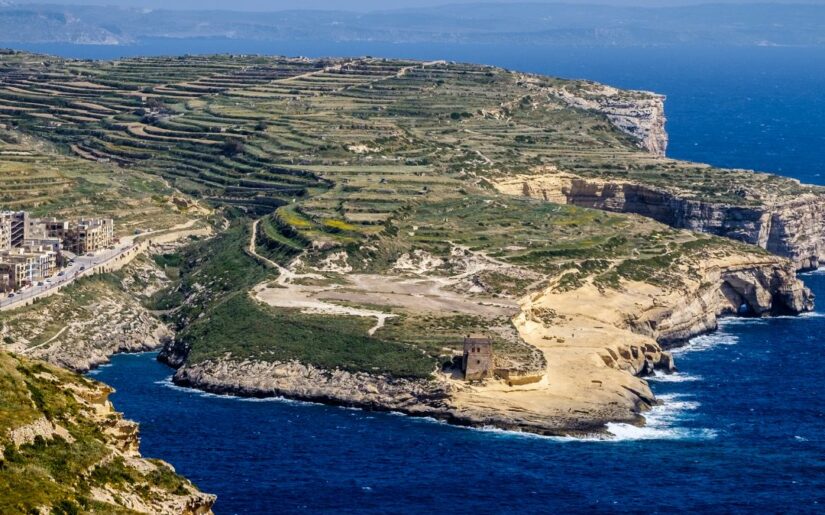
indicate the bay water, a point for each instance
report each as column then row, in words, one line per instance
column 742, row 427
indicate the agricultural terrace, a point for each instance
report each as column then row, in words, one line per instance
column 345, row 142
column 380, row 168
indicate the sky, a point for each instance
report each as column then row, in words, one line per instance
column 366, row 5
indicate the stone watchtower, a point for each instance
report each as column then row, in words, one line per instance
column 478, row 358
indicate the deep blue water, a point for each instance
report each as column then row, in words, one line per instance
column 743, row 424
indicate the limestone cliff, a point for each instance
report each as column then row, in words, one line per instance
column 792, row 228
column 64, row 449
column 639, row 114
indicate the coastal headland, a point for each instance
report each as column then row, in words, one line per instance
column 368, row 214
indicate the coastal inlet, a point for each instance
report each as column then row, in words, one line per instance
column 740, row 402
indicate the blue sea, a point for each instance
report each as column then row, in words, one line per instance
column 742, row 427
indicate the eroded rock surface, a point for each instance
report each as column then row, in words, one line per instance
column 791, row 228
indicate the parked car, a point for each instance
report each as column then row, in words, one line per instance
column 11, row 295
column 83, row 268
column 61, row 273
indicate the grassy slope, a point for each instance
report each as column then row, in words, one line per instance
column 215, row 278
column 57, row 473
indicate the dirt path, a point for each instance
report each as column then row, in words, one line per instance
column 50, row 340
column 288, row 294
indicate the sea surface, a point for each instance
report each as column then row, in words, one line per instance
column 742, row 427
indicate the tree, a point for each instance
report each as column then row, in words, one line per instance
column 232, row 147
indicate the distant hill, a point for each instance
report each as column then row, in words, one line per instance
column 555, row 24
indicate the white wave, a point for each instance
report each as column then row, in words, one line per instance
column 706, row 341
column 675, row 377
column 139, row 353
column 168, row 383
column 734, row 321
column 723, row 337
column 509, row 433
column 98, row 369
column 662, row 423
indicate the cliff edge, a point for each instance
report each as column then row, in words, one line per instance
column 64, row 449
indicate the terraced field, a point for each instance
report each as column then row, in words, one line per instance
column 352, row 140
column 35, row 176
column 377, row 158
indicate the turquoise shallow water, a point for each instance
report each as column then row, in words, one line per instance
column 742, row 424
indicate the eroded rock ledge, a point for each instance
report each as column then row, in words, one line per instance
column 639, row 114
column 57, row 413
column 792, row 228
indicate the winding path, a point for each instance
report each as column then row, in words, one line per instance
column 288, row 294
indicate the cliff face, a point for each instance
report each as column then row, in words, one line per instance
column 794, row 229
column 745, row 288
column 639, row 114
column 47, row 412
column 600, row 343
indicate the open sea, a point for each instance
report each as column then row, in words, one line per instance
column 742, row 427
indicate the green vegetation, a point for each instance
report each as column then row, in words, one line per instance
column 215, row 278
column 36, row 177
column 244, row 328
column 59, row 469
column 377, row 158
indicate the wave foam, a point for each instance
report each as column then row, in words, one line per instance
column 662, row 423
column 706, row 342
column 168, row 383
column 676, row 377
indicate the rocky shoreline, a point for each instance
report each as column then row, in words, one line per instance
column 629, row 351
column 416, row 398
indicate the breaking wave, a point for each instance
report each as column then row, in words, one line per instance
column 663, row 423
column 676, row 377
column 706, row 342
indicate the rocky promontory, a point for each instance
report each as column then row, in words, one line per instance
column 788, row 227
column 598, row 345
column 49, row 412
column 639, row 114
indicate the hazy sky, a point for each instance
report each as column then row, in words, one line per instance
column 362, row 5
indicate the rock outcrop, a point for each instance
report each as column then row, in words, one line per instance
column 740, row 289
column 58, row 413
column 793, row 228
column 99, row 318
column 639, row 114
column 300, row 381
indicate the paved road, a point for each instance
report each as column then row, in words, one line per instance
column 82, row 265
